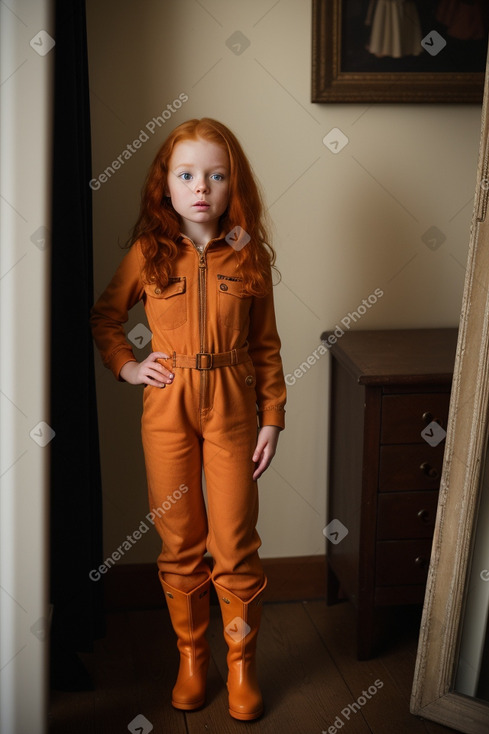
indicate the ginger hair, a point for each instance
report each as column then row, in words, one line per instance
column 158, row 224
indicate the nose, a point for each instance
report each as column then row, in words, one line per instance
column 201, row 185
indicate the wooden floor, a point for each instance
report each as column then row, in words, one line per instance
column 307, row 667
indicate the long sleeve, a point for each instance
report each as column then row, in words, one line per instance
column 110, row 312
column 264, row 349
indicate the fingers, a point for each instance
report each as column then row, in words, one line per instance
column 262, row 467
column 263, row 458
column 161, row 377
column 258, row 472
column 261, row 445
column 154, row 373
column 266, row 446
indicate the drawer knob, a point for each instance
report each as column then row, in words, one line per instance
column 424, row 515
column 427, row 469
column 428, row 418
column 421, row 562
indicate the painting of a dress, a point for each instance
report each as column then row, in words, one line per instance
column 387, row 35
column 405, row 50
column 395, row 28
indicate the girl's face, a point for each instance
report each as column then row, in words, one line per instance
column 198, row 185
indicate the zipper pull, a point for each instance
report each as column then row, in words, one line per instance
column 202, row 261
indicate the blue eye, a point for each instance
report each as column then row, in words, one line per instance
column 183, row 176
column 218, row 176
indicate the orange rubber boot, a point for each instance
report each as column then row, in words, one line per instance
column 241, row 622
column 189, row 613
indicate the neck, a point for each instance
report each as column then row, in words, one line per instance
column 199, row 234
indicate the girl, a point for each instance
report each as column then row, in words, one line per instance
column 201, row 262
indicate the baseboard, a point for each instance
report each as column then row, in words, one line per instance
column 136, row 585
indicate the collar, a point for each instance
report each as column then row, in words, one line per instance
column 184, row 237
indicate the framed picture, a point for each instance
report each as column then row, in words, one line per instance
column 399, row 50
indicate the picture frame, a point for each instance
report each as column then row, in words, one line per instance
column 350, row 62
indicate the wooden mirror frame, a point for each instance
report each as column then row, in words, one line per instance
column 433, row 696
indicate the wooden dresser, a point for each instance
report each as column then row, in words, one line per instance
column 387, row 388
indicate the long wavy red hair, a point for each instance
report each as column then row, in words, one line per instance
column 158, row 224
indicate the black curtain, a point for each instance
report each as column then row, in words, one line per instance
column 76, row 500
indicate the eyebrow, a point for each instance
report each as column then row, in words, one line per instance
column 190, row 165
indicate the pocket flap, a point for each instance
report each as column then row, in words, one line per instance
column 229, row 285
column 175, row 287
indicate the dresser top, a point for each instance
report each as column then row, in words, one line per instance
column 397, row 356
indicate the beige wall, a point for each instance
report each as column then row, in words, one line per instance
column 345, row 224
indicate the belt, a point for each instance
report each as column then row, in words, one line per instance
column 208, row 361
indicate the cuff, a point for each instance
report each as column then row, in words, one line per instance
column 272, row 417
column 119, row 360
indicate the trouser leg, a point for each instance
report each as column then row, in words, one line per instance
column 173, row 457
column 232, row 500
column 230, row 434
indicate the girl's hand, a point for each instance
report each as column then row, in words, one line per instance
column 266, row 446
column 147, row 372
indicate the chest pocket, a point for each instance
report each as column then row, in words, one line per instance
column 169, row 305
column 233, row 304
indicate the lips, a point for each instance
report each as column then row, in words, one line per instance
column 201, row 205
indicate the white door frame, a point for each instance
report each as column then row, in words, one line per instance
column 26, row 94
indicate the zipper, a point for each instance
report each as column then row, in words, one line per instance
column 202, row 319
column 202, row 299
column 202, row 325
column 202, row 291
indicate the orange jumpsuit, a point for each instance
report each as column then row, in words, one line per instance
column 208, row 416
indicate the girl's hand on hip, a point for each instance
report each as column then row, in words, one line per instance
column 266, row 446
column 147, row 372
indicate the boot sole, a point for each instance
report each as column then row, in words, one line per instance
column 245, row 717
column 188, row 706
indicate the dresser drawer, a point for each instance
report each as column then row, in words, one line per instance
column 406, row 515
column 410, row 466
column 402, row 562
column 405, row 416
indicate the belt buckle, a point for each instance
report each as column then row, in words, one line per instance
column 198, row 361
